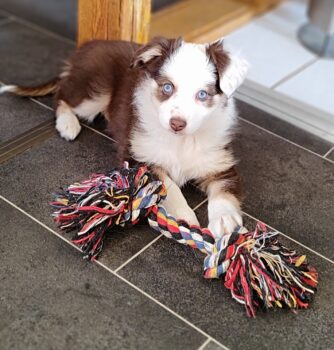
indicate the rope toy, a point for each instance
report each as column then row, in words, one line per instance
column 256, row 268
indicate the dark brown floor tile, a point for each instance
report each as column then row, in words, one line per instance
column 193, row 195
column 52, row 299
column 283, row 128
column 3, row 18
column 212, row 346
column 58, row 16
column 18, row 115
column 28, row 56
column 123, row 243
column 287, row 187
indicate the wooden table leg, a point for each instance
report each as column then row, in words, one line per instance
column 113, row 19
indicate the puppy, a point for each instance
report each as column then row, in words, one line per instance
column 168, row 104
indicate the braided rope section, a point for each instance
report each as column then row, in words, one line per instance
column 256, row 268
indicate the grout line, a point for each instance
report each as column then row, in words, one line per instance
column 32, row 99
column 328, row 153
column 219, row 344
column 40, row 223
column 283, row 138
column 200, row 204
column 37, row 27
column 138, row 253
column 161, row 304
column 202, row 347
column 99, row 132
column 291, row 239
column 98, row 262
column 294, row 73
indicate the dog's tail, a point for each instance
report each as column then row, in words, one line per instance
column 48, row 88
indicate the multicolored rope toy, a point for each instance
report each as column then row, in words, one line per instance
column 256, row 268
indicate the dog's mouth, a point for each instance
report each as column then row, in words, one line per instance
column 179, row 132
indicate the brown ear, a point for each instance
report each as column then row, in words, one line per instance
column 231, row 69
column 158, row 48
column 219, row 58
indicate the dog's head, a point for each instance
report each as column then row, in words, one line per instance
column 186, row 82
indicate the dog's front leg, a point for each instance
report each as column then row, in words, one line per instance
column 175, row 203
column 224, row 212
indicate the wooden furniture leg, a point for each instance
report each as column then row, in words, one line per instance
column 113, row 19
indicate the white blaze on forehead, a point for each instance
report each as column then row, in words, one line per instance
column 189, row 66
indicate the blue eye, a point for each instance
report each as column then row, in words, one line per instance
column 167, row 88
column 202, row 95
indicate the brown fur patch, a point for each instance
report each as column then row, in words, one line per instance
column 229, row 181
column 97, row 67
column 104, row 68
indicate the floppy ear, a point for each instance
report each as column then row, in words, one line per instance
column 234, row 75
column 231, row 68
column 146, row 53
column 156, row 48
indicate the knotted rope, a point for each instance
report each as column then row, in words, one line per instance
column 257, row 269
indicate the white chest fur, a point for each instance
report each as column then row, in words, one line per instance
column 185, row 157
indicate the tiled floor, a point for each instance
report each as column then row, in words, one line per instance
column 146, row 292
column 282, row 68
column 319, row 76
column 276, row 51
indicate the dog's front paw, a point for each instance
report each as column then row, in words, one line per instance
column 225, row 223
column 181, row 211
column 187, row 214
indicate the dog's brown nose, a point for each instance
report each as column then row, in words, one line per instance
column 177, row 124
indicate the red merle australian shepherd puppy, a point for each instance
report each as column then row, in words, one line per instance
column 168, row 104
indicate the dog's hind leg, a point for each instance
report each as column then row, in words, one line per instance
column 89, row 108
column 67, row 124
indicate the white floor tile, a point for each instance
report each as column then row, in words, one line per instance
column 313, row 86
column 285, row 19
column 270, row 44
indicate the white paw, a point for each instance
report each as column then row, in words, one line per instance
column 68, row 126
column 225, row 223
